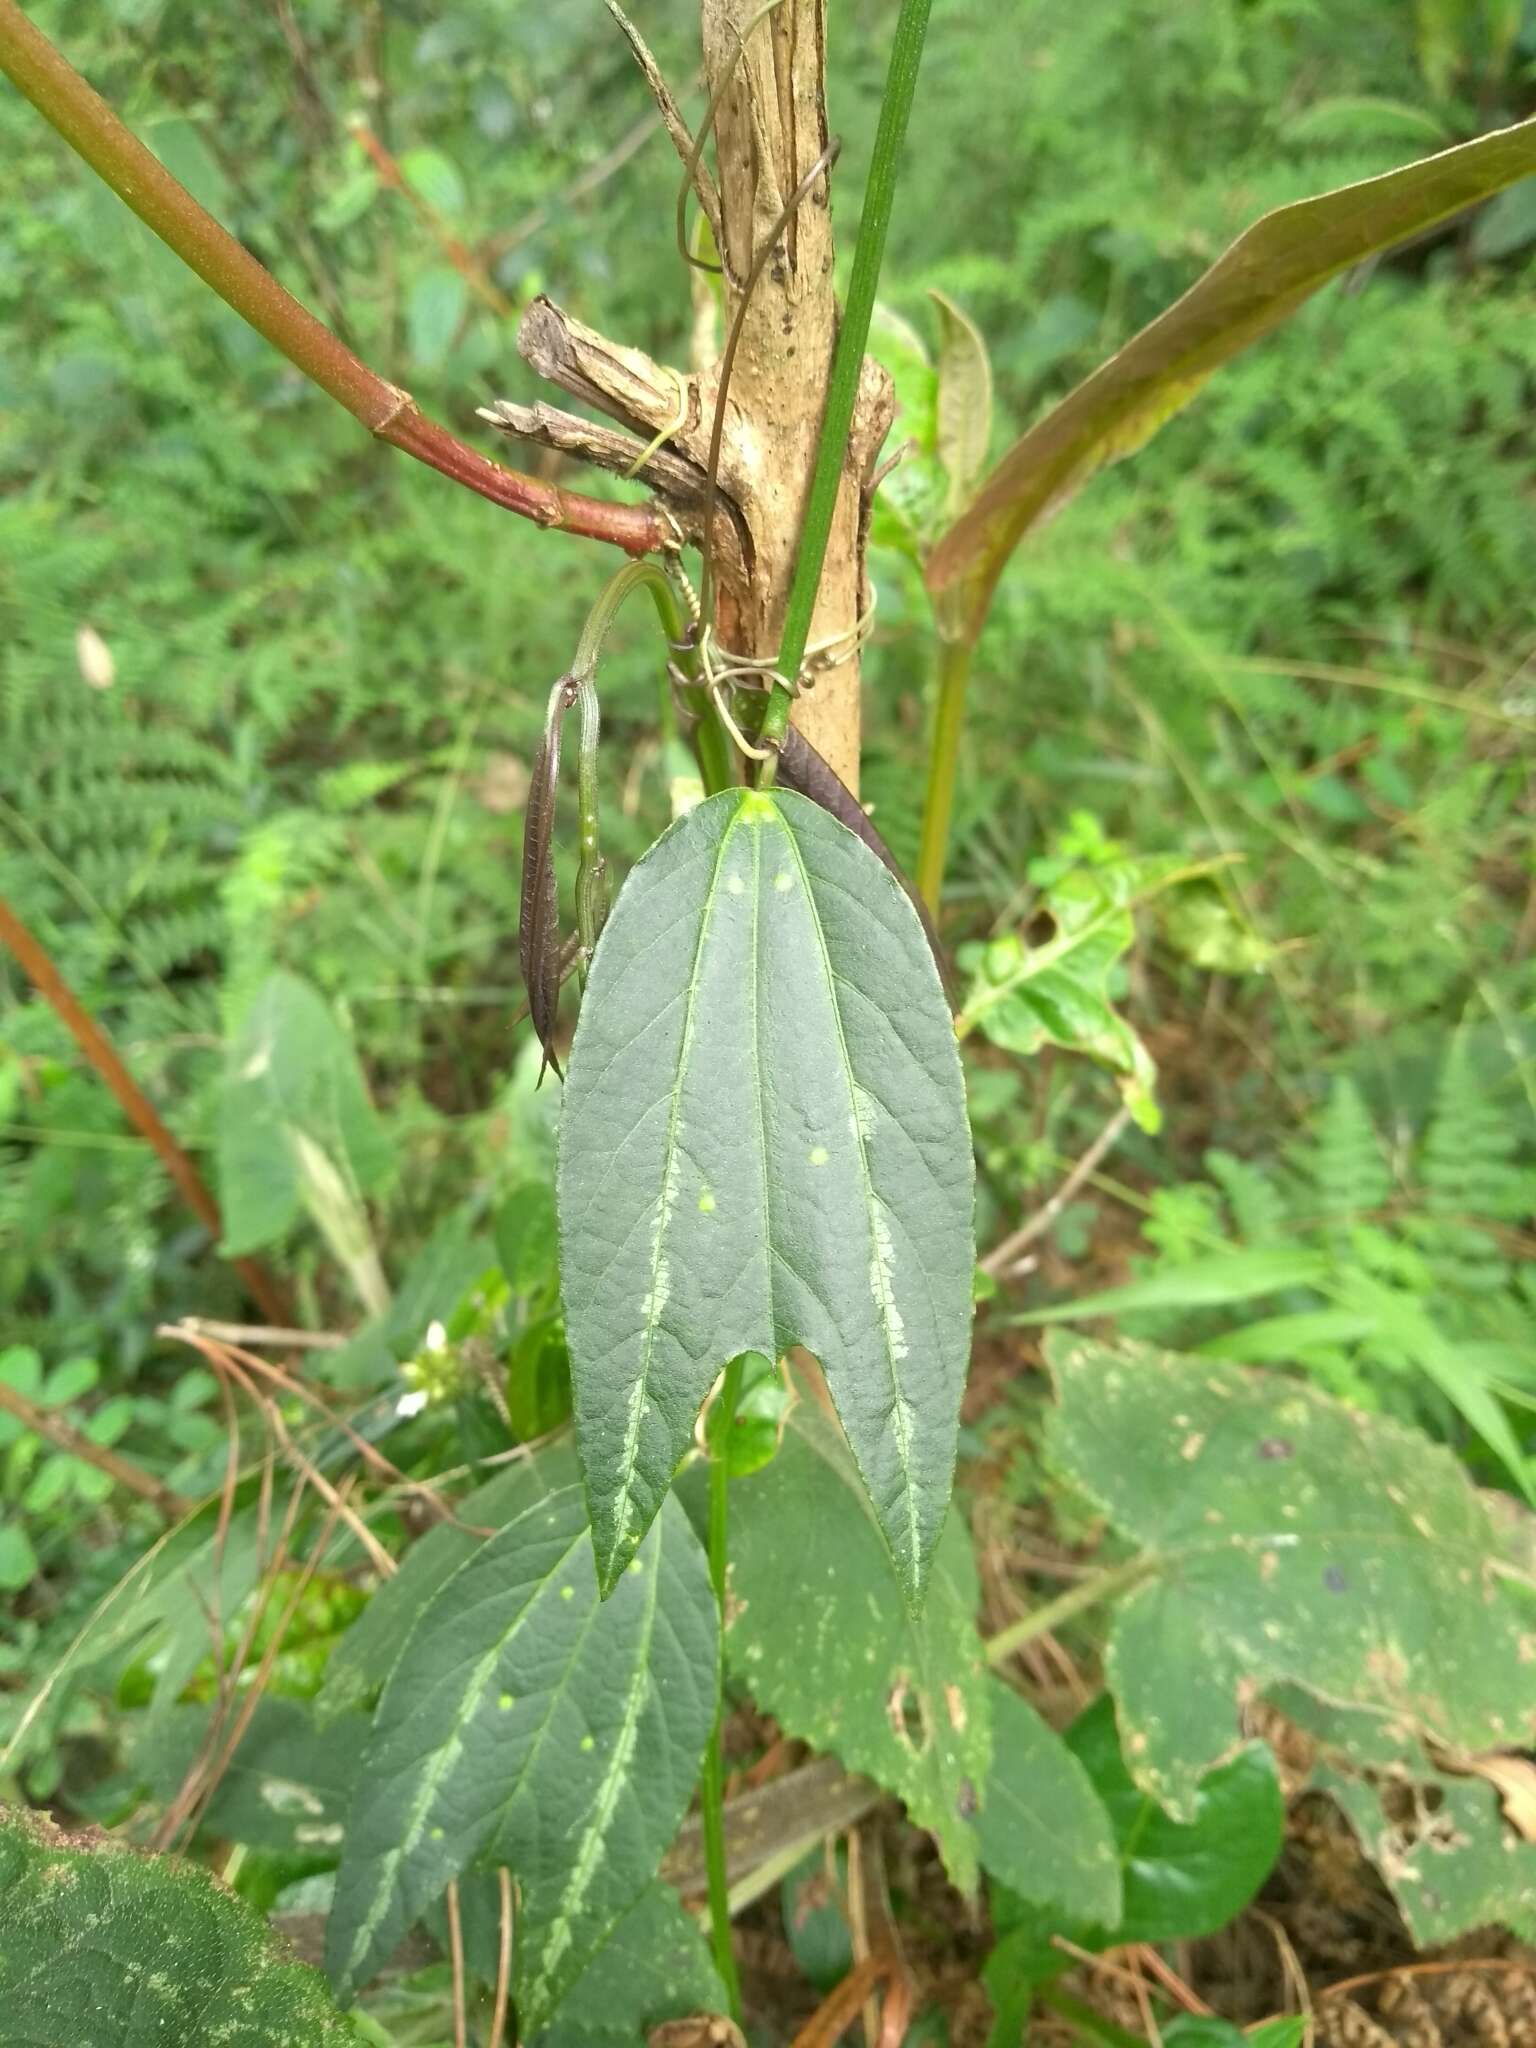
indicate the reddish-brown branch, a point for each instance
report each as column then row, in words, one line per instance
column 459, row 254
column 74, row 1443
column 39, row 969
column 142, row 182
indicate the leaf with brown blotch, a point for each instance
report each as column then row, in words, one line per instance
column 1265, row 275
column 538, row 925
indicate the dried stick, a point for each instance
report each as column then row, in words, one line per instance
column 1006, row 1255
column 459, row 254
column 672, row 120
column 117, row 156
column 65, row 1437
column 503, row 1960
column 39, row 969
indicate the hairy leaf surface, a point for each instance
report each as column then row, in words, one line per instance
column 1288, row 1537
column 103, row 1945
column 764, row 1143
column 819, row 1630
column 528, row 1724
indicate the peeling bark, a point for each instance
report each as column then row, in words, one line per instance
column 771, row 127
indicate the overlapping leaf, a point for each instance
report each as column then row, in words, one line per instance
column 820, row 1632
column 1265, row 275
column 1287, row 1537
column 527, row 1724
column 100, row 1944
column 1043, row 1829
column 764, row 1143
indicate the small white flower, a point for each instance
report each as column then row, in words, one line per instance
column 437, row 1337
column 412, row 1403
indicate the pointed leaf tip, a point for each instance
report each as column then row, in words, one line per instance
column 764, row 1143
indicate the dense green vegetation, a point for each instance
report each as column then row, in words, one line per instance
column 268, row 699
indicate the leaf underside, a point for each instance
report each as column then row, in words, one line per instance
column 1260, row 280
column 764, row 1143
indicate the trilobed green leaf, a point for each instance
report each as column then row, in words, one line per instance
column 764, row 1143
column 526, row 1724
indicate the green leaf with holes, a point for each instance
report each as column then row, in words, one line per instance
column 1286, row 1537
column 821, row 1635
column 764, row 1143
column 101, row 1944
column 528, row 1724
column 1453, row 1849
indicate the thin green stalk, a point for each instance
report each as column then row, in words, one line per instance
column 955, row 658
column 1105, row 1585
column 712, row 1781
column 847, row 362
column 142, row 182
column 716, row 757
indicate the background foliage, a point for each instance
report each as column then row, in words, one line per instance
column 268, row 695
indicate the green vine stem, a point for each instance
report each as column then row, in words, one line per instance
column 847, row 364
column 712, row 1778
column 1092, row 1592
column 141, row 181
column 955, row 658
column 716, row 758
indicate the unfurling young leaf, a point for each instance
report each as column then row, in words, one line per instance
column 764, row 1143
column 538, row 924
column 964, row 402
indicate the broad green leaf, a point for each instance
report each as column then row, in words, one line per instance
column 1265, row 275
column 1287, row 1537
column 526, row 1723
column 1215, row 1282
column 101, row 1944
column 433, row 311
column 435, row 179
column 813, row 1905
column 18, row 1560
column 653, row 1967
column 820, row 1632
column 1182, row 1880
column 1042, row 1828
column 293, row 1104
column 1448, row 1856
column 525, row 1231
column 964, row 402
column 1444, row 1848
column 764, row 1143
column 1191, row 2030
column 370, row 1649
column 285, row 1788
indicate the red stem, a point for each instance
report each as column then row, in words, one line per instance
column 136, row 1106
column 142, row 182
